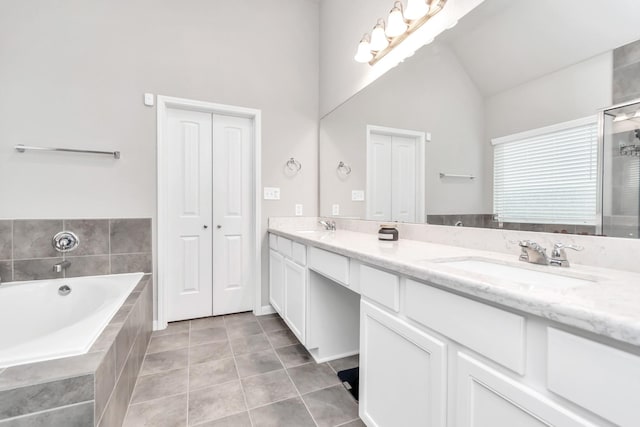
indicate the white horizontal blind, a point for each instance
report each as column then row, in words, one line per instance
column 548, row 175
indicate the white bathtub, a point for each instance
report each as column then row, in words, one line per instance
column 36, row 323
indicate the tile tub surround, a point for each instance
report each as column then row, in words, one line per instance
column 107, row 246
column 610, row 307
column 85, row 390
column 237, row 370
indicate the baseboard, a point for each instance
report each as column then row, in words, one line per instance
column 265, row 309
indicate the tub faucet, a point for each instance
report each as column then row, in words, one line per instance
column 533, row 252
column 61, row 266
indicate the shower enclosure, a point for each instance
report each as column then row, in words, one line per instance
column 620, row 136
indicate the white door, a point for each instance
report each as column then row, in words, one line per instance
column 189, row 272
column 395, row 175
column 403, row 372
column 295, row 298
column 487, row 398
column 232, row 138
column 209, row 206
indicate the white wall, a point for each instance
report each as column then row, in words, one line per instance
column 430, row 92
column 73, row 73
column 342, row 24
column 571, row 93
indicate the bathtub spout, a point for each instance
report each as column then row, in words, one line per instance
column 61, row 266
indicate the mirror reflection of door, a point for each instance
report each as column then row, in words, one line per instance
column 395, row 174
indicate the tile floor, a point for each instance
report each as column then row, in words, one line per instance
column 236, row 371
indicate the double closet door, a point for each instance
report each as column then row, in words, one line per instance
column 209, row 202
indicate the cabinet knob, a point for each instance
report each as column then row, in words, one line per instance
column 218, row 226
column 205, row 226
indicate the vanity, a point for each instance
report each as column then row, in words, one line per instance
column 450, row 336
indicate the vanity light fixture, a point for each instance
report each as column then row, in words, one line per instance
column 396, row 24
column 400, row 24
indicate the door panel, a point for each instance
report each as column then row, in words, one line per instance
column 403, row 179
column 379, row 178
column 295, row 298
column 276, row 281
column 189, row 207
column 231, row 212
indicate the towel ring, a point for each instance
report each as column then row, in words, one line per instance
column 344, row 168
column 294, row 165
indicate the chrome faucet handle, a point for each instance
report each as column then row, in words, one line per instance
column 559, row 256
column 532, row 252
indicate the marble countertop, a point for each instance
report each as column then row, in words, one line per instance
column 608, row 306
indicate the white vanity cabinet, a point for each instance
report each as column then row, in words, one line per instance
column 287, row 283
column 403, row 372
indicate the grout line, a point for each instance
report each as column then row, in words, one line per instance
column 235, row 363
column 289, row 376
column 188, row 371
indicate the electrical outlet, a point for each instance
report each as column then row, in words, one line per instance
column 298, row 210
column 335, row 210
column 428, row 136
column 271, row 193
column 357, row 195
column 148, row 99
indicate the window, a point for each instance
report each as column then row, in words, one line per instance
column 547, row 175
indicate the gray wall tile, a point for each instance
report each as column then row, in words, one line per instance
column 6, row 271
column 41, row 397
column 6, row 239
column 626, row 83
column 80, row 415
column 87, row 266
column 92, row 233
column 35, row 269
column 131, row 263
column 130, row 235
column 627, row 54
column 105, row 381
column 32, row 238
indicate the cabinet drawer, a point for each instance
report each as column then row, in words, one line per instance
column 332, row 265
column 494, row 333
column 380, row 286
column 299, row 253
column 273, row 241
column 597, row 377
column 284, row 246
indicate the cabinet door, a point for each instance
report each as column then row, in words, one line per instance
column 488, row 398
column 403, row 372
column 276, row 281
column 295, row 298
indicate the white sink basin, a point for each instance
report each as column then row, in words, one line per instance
column 552, row 279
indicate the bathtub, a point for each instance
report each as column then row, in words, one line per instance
column 40, row 324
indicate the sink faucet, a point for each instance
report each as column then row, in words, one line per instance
column 328, row 225
column 559, row 256
column 61, row 266
column 533, row 252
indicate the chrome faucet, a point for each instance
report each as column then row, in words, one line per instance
column 61, row 266
column 328, row 225
column 533, row 253
column 559, row 256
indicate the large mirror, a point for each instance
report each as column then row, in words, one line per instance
column 498, row 123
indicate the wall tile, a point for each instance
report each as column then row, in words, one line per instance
column 75, row 415
column 41, row 397
column 627, row 54
column 131, row 263
column 130, row 235
column 105, row 380
column 6, row 239
column 92, row 233
column 32, row 238
column 626, row 83
column 6, row 271
column 87, row 266
column 35, row 269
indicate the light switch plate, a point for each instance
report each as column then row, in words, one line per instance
column 335, row 210
column 148, row 99
column 271, row 193
column 357, row 195
column 298, row 209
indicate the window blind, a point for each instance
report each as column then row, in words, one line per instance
column 547, row 175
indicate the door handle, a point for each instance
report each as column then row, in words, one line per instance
column 218, row 226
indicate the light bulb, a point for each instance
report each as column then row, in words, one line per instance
column 378, row 39
column 395, row 23
column 416, row 9
column 363, row 54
